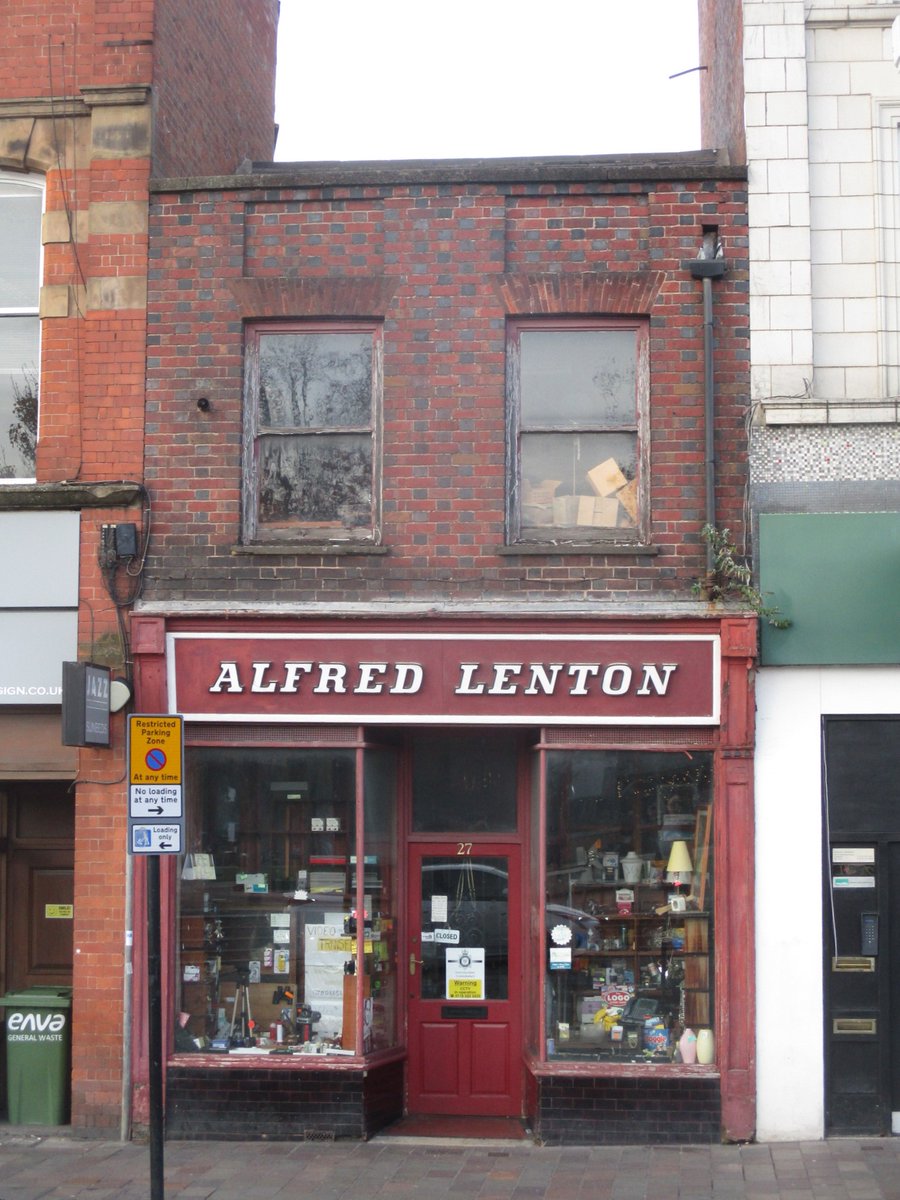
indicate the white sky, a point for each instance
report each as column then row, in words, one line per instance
column 361, row 79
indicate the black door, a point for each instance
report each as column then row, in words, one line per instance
column 862, row 924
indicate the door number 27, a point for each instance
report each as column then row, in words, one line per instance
column 463, row 847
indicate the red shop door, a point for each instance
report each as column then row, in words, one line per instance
column 464, row 971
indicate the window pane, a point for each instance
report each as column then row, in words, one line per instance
column 464, row 782
column 19, row 339
column 18, row 396
column 579, row 480
column 629, row 929
column 578, row 377
column 325, row 480
column 267, row 895
column 20, row 249
column 475, row 891
column 315, row 380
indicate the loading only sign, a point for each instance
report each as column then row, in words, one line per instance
column 155, row 788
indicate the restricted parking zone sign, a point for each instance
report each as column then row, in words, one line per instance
column 155, row 787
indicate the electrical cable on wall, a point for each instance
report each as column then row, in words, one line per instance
column 117, row 570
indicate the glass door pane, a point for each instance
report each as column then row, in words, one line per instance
column 464, row 927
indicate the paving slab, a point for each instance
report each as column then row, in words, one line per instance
column 52, row 1165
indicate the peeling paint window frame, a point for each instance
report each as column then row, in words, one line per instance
column 366, row 433
column 527, row 524
column 21, row 189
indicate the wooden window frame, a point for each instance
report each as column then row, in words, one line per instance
column 574, row 536
column 308, row 533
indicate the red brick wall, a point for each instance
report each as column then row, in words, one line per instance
column 440, row 251
column 722, row 83
column 56, row 47
column 211, row 63
column 215, row 85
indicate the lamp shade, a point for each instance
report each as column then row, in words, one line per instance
column 679, row 860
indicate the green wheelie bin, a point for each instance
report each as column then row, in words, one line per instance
column 38, row 1022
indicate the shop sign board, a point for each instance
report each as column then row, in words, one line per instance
column 533, row 677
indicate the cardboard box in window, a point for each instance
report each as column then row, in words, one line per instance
column 628, row 498
column 565, row 510
column 606, row 478
column 537, row 514
column 598, row 511
column 537, row 502
column 539, row 493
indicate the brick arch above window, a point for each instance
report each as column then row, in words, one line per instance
column 631, row 293
column 325, row 298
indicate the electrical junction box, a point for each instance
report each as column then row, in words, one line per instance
column 126, row 541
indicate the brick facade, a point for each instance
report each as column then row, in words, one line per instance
column 445, row 262
column 90, row 93
column 215, row 85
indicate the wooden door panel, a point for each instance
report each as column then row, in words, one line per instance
column 440, row 1059
column 42, row 883
column 489, row 1059
column 465, row 990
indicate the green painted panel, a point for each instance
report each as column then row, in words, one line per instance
column 836, row 576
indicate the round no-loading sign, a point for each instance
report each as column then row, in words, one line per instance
column 154, row 749
column 155, row 759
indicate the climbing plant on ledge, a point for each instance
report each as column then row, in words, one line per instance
column 731, row 578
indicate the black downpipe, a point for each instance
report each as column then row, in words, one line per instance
column 708, row 269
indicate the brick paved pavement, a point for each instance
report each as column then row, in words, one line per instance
column 39, row 1166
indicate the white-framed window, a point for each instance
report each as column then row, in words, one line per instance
column 21, row 205
column 312, row 426
column 577, row 416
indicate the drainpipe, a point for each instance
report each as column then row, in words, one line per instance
column 709, row 266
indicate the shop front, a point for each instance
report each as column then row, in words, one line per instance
column 488, row 868
column 38, row 631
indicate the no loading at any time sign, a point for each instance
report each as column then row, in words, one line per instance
column 155, row 791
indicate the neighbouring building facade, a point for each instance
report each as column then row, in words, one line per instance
column 808, row 95
column 468, row 756
column 93, row 97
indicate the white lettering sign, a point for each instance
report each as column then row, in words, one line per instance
column 328, row 678
column 613, row 679
column 36, row 1022
column 475, row 679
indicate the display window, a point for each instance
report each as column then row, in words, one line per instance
column 628, row 871
column 276, row 891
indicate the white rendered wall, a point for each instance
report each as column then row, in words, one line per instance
column 789, row 997
column 822, row 110
column 776, row 123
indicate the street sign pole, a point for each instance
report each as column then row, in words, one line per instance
column 155, row 824
column 154, row 1023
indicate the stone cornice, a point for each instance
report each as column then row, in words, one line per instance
column 45, row 107
column 634, row 168
column 46, row 496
